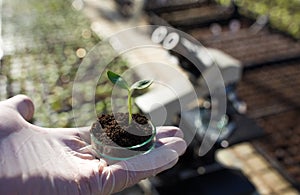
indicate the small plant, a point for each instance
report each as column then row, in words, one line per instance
column 120, row 82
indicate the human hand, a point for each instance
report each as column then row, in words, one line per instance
column 37, row 160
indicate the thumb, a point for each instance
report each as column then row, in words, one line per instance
column 23, row 104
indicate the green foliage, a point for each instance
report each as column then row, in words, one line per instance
column 283, row 14
column 118, row 80
column 140, row 85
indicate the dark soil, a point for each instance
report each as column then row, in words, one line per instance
column 114, row 129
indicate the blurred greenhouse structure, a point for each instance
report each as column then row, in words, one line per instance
column 44, row 42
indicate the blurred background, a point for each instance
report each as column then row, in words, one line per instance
column 42, row 44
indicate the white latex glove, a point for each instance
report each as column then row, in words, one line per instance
column 36, row 160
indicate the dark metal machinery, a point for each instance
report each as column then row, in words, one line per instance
column 197, row 173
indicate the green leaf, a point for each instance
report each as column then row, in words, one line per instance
column 142, row 84
column 117, row 79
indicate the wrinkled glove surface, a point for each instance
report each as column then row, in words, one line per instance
column 37, row 160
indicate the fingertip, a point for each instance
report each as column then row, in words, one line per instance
column 172, row 158
column 22, row 104
column 175, row 143
column 169, row 131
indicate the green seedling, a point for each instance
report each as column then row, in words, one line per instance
column 120, row 82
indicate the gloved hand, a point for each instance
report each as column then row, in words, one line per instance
column 36, row 160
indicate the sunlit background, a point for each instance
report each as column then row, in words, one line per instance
column 283, row 15
column 44, row 42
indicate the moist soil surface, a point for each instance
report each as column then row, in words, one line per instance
column 115, row 130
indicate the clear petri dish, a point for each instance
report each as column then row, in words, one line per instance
column 118, row 153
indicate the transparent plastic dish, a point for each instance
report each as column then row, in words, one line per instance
column 117, row 153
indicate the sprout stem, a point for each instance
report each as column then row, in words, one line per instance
column 129, row 107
